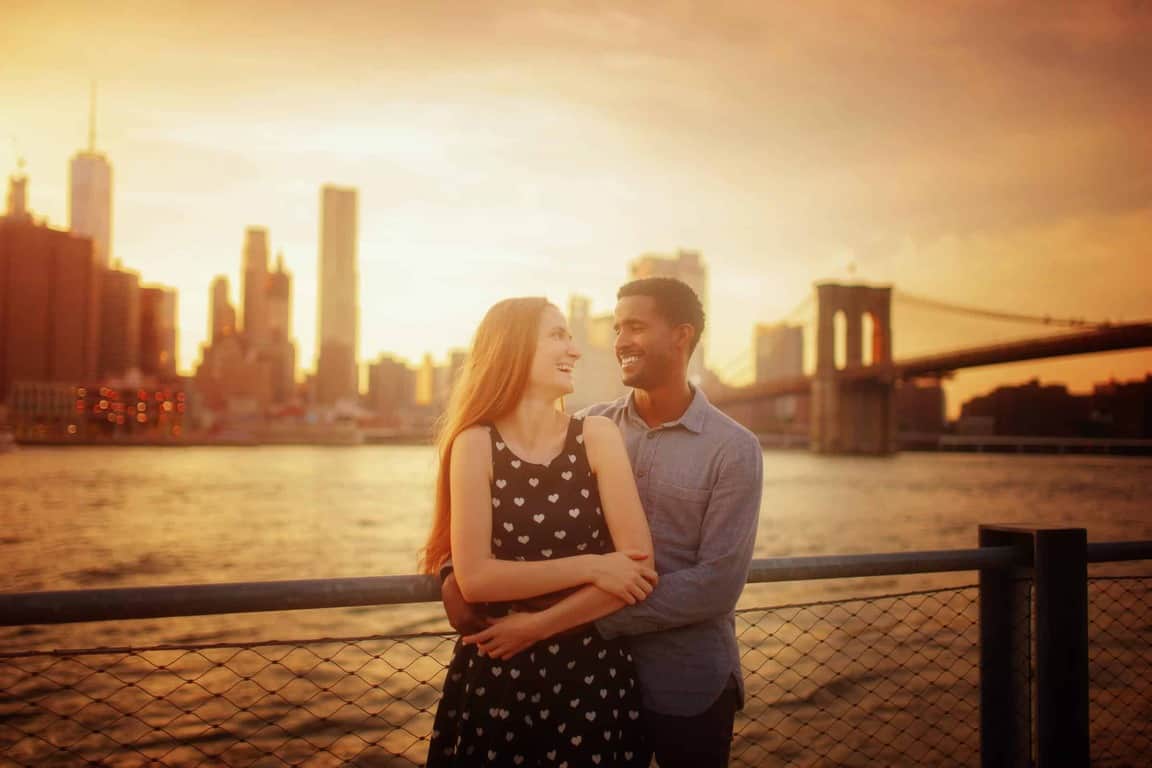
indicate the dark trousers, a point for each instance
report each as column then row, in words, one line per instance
column 699, row 741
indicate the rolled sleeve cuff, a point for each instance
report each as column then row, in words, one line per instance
column 621, row 623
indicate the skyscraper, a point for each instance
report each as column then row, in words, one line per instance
column 223, row 319
column 279, row 302
column 337, row 378
column 281, row 352
column 158, row 331
column 256, row 286
column 687, row 267
column 119, row 323
column 779, row 351
column 18, row 196
column 90, row 198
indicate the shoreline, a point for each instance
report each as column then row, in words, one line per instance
column 1024, row 445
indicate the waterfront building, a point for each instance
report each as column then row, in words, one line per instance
column 250, row 374
column 49, row 412
column 1121, row 410
column 920, row 407
column 337, row 377
column 1036, row 409
column 119, row 323
column 426, row 382
column 158, row 331
column 391, row 391
column 49, row 300
column 778, row 350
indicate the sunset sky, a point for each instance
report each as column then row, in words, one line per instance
column 994, row 154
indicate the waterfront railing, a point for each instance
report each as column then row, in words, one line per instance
column 1039, row 663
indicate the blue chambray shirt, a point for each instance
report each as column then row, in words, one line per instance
column 700, row 481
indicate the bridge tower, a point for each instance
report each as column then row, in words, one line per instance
column 852, row 406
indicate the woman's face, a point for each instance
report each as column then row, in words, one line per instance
column 555, row 356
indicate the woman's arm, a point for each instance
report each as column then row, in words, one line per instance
column 483, row 578
column 628, row 525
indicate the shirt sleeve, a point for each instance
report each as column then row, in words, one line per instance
column 728, row 535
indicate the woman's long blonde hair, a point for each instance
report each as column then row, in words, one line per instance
column 493, row 381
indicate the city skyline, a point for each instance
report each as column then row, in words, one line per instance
column 477, row 182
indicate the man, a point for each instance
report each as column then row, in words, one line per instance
column 699, row 475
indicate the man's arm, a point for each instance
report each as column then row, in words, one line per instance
column 712, row 586
column 465, row 617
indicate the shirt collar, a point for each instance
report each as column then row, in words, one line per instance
column 692, row 419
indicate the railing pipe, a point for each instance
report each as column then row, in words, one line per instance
column 60, row 607
column 1117, row 551
column 121, row 603
column 775, row 569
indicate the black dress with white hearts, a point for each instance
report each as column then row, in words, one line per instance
column 570, row 700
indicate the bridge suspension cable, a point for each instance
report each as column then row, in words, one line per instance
column 1016, row 317
column 743, row 363
column 736, row 367
column 800, row 309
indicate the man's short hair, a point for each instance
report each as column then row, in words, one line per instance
column 674, row 299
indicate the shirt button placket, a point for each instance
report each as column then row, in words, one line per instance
column 646, row 454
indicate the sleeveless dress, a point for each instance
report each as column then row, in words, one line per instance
column 570, row 700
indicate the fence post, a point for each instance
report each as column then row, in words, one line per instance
column 1005, row 652
column 1061, row 594
column 1058, row 557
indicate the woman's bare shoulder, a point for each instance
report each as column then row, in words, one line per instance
column 473, row 442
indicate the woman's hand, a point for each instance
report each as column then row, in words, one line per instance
column 627, row 575
column 508, row 635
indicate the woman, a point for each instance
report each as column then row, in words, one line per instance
column 530, row 502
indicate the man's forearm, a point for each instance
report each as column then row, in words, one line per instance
column 685, row 597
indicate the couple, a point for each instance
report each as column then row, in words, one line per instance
column 591, row 562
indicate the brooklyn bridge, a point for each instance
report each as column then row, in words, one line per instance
column 851, row 391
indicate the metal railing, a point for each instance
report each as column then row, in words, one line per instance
column 908, row 678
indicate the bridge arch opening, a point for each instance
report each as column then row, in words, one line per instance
column 868, row 352
column 840, row 340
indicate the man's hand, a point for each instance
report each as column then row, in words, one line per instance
column 464, row 617
column 508, row 635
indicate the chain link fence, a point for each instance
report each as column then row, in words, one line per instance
column 834, row 682
column 888, row 680
column 1120, row 670
column 891, row 680
column 363, row 701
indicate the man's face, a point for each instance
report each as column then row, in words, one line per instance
column 649, row 349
